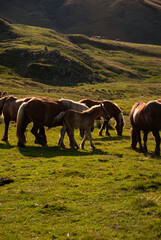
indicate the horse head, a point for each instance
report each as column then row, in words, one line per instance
column 119, row 125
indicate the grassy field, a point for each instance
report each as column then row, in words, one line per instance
column 112, row 192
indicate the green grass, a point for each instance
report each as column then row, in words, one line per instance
column 111, row 192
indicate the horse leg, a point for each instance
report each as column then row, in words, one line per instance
column 73, row 138
column 21, row 136
column 34, row 131
column 90, row 139
column 102, row 128
column 81, row 132
column 106, row 128
column 5, row 137
column 84, row 139
column 134, row 138
column 145, row 141
column 62, row 134
column 157, row 139
column 43, row 135
column 72, row 142
column 139, row 140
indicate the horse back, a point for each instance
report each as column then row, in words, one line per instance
column 42, row 111
column 77, row 119
column 89, row 103
column 153, row 114
column 135, row 112
column 11, row 107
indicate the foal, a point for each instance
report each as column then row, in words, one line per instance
column 84, row 120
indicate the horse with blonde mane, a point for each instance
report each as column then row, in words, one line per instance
column 84, row 120
column 146, row 117
column 42, row 113
column 114, row 112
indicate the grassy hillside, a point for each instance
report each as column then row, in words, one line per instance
column 43, row 58
column 128, row 20
column 112, row 192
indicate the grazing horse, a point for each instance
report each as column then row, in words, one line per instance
column 42, row 113
column 113, row 111
column 85, row 120
column 9, row 106
column 146, row 117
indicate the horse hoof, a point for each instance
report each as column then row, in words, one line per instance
column 108, row 134
column 62, row 145
column 157, row 153
column 4, row 139
column 133, row 147
column 22, row 145
column 44, row 144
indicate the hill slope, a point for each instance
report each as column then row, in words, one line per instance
column 46, row 56
column 129, row 20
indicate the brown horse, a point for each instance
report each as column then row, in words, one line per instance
column 146, row 117
column 84, row 120
column 3, row 94
column 113, row 111
column 9, row 106
column 42, row 113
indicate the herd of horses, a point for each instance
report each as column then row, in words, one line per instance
column 70, row 115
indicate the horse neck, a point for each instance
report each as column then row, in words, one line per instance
column 95, row 112
column 113, row 110
column 118, row 116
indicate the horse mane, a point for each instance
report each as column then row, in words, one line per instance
column 70, row 104
column 111, row 104
column 137, row 104
column 92, row 108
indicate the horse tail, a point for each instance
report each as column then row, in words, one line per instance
column 21, row 122
column 2, row 101
column 58, row 118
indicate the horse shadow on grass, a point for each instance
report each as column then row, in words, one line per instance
column 148, row 154
column 49, row 152
column 111, row 138
column 6, row 145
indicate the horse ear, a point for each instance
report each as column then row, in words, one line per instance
column 102, row 104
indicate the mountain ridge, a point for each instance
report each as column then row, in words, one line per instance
column 127, row 20
column 46, row 56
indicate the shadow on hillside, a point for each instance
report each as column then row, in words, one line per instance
column 48, row 152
